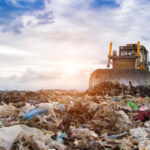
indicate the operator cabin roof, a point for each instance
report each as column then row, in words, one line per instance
column 127, row 58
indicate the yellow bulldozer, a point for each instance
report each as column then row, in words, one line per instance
column 130, row 65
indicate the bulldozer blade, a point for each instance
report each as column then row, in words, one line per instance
column 121, row 76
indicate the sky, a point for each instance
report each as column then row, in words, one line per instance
column 56, row 44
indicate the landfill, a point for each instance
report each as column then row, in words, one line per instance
column 111, row 116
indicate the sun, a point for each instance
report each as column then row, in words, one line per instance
column 71, row 69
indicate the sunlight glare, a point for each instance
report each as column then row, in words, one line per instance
column 71, row 69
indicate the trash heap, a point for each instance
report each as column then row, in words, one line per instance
column 110, row 117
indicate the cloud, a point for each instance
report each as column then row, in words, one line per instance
column 34, row 80
column 16, row 14
column 79, row 35
column 11, row 51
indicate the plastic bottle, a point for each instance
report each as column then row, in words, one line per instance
column 34, row 112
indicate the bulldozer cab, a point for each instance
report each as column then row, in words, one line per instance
column 130, row 57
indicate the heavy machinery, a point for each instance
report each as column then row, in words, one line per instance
column 130, row 65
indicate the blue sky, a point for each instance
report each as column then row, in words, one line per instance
column 12, row 9
column 46, row 43
column 104, row 3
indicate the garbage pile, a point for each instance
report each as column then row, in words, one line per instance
column 72, row 120
column 116, row 88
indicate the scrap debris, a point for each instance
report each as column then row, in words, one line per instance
column 104, row 118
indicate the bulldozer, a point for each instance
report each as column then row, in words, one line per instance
column 129, row 65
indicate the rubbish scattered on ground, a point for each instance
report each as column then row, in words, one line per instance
column 133, row 105
column 60, row 137
column 7, row 110
column 117, row 135
column 140, row 133
column 82, row 133
column 34, row 112
column 147, row 124
column 144, row 108
column 143, row 115
column 123, row 122
column 116, row 99
column 144, row 145
column 9, row 137
column 111, row 116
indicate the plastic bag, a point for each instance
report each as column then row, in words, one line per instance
column 133, row 105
